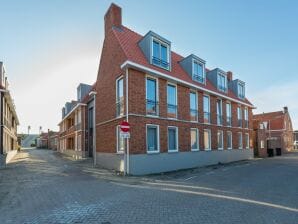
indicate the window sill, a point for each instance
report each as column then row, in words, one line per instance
column 195, row 150
column 220, row 149
column 207, row 150
column 120, row 153
column 173, row 151
column 152, row 152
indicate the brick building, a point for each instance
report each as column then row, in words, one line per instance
column 9, row 121
column 76, row 127
column 272, row 130
column 295, row 138
column 182, row 114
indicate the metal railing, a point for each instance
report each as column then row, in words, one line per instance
column 245, row 123
column 219, row 119
column 206, row 117
column 198, row 78
column 222, row 88
column 152, row 107
column 239, row 122
column 172, row 111
column 229, row 121
column 193, row 114
column 160, row 62
column 78, row 126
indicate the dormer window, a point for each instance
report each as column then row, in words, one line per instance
column 221, row 82
column 241, row 90
column 160, row 54
column 198, row 72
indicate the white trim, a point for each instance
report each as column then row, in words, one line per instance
column 230, row 113
column 198, row 140
column 73, row 109
column 177, row 142
column 156, row 94
column 209, row 139
column 209, row 109
column 240, row 146
column 157, row 73
column 204, row 71
column 117, row 80
column 247, row 140
column 176, row 97
column 222, row 142
column 158, row 143
column 217, row 121
column 231, row 139
column 197, row 104
column 168, row 52
column 117, row 141
column 219, row 73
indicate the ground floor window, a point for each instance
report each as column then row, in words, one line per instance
column 247, row 141
column 172, row 139
column 152, row 138
column 220, row 140
column 229, row 140
column 262, row 144
column 240, row 142
column 120, row 141
column 207, row 139
column 194, row 139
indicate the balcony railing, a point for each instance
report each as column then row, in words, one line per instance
column 172, row 111
column 222, row 88
column 120, row 108
column 193, row 115
column 152, row 107
column 245, row 123
column 206, row 117
column 229, row 121
column 219, row 119
column 160, row 62
column 198, row 78
column 78, row 126
column 241, row 96
column 239, row 122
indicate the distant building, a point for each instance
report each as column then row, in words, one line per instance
column 9, row 121
column 295, row 137
column 272, row 130
column 76, row 126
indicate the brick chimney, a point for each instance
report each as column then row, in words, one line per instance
column 230, row 76
column 285, row 109
column 113, row 17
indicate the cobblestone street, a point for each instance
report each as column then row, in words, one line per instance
column 40, row 186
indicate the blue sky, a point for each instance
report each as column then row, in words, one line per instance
column 49, row 47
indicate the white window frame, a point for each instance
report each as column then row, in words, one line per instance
column 220, row 148
column 262, row 144
column 156, row 92
column 117, row 80
column 209, row 131
column 247, row 139
column 198, row 139
column 246, row 117
column 193, row 70
column 231, row 134
column 176, row 87
column 243, row 86
column 168, row 52
column 205, row 95
column 217, row 121
column 240, row 146
column 177, row 141
column 226, row 82
column 158, row 140
column 230, row 113
column 118, row 140
column 197, row 105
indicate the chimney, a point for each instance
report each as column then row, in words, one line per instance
column 113, row 17
column 285, row 109
column 230, row 76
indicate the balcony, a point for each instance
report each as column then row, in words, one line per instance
column 160, row 62
column 193, row 115
column 239, row 122
column 120, row 108
column 219, row 119
column 229, row 121
column 206, row 117
column 152, row 107
column 172, row 111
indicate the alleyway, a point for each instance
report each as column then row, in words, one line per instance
column 40, row 186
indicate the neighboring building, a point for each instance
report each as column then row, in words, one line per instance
column 295, row 136
column 43, row 140
column 76, row 127
column 9, row 121
column 273, row 130
column 53, row 140
column 182, row 115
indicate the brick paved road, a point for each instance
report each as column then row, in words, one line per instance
column 42, row 187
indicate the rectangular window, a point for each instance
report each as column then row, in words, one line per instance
column 172, row 139
column 120, row 141
column 198, row 72
column 207, row 139
column 206, row 105
column 239, row 116
column 219, row 112
column 246, row 118
column 229, row 114
column 229, row 139
column 193, row 106
column 240, row 142
column 220, row 140
column 172, row 101
column 221, row 83
column 152, row 138
column 262, row 143
column 194, row 139
column 246, row 140
column 160, row 56
column 241, row 90
column 151, row 97
column 119, row 97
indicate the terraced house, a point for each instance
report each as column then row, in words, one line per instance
column 76, row 127
column 9, row 121
column 182, row 114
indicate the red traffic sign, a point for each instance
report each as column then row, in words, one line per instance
column 124, row 126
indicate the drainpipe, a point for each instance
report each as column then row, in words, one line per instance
column 93, row 93
column 127, row 140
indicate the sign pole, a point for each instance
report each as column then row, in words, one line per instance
column 127, row 140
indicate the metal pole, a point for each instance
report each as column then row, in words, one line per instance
column 127, row 140
column 94, row 131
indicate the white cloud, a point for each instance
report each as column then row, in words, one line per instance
column 275, row 97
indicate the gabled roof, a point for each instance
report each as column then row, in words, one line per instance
column 129, row 40
column 276, row 119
